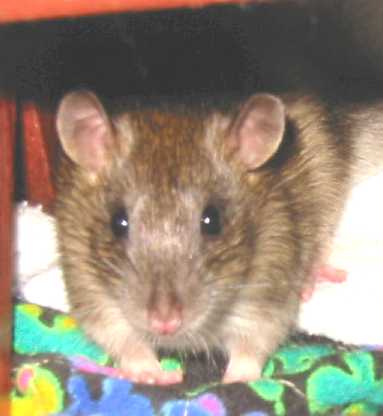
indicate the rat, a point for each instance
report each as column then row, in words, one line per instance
column 191, row 228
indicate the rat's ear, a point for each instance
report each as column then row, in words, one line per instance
column 257, row 131
column 84, row 130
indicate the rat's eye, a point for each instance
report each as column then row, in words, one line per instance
column 211, row 221
column 120, row 223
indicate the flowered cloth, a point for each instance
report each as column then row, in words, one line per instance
column 57, row 371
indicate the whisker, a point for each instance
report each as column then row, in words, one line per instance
column 121, row 273
column 216, row 343
column 193, row 343
column 237, row 276
column 205, row 347
column 114, row 268
column 247, row 286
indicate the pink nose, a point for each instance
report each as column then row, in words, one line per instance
column 166, row 327
column 165, row 323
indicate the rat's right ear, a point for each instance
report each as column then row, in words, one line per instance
column 258, row 130
column 84, row 130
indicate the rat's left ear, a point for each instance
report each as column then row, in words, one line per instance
column 257, row 130
column 84, row 130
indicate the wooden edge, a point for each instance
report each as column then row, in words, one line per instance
column 23, row 10
column 39, row 141
column 7, row 146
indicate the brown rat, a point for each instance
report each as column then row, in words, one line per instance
column 193, row 229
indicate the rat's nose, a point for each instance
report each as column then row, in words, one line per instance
column 165, row 319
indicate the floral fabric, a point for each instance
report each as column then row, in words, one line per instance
column 57, row 371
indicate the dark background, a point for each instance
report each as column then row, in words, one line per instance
column 212, row 50
column 220, row 50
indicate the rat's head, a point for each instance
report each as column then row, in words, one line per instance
column 156, row 211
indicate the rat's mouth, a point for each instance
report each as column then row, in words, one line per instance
column 182, row 340
column 188, row 338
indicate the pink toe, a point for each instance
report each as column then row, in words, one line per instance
column 330, row 274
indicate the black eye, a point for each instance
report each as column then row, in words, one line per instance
column 211, row 221
column 120, row 223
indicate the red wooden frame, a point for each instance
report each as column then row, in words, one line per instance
column 21, row 10
column 38, row 148
column 39, row 143
column 7, row 146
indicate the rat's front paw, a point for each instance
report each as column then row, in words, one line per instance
column 243, row 367
column 143, row 367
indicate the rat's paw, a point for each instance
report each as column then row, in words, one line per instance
column 143, row 367
column 325, row 273
column 328, row 273
column 243, row 367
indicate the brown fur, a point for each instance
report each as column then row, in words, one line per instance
column 244, row 284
